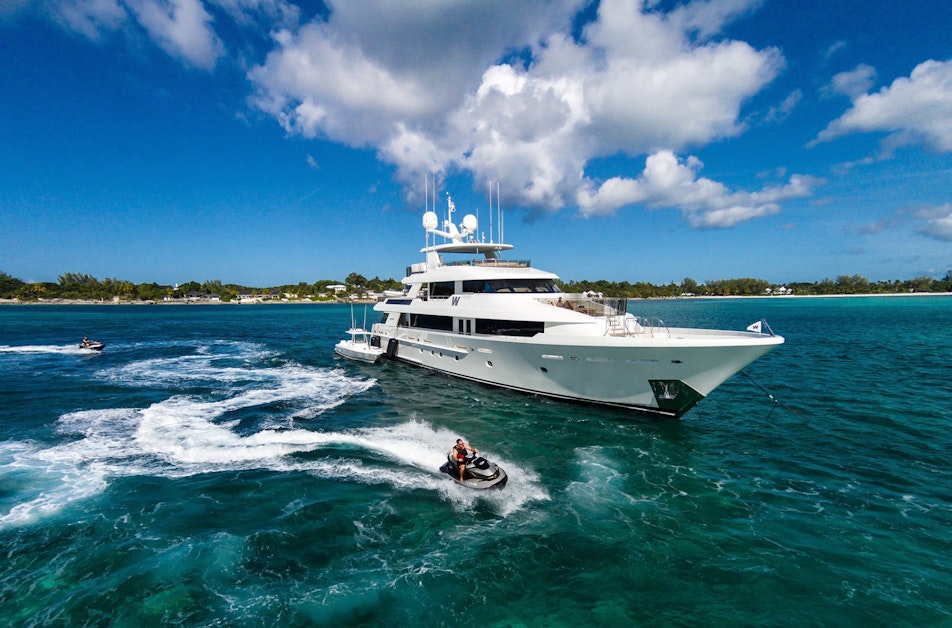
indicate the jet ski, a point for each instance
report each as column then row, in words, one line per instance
column 479, row 474
column 92, row 345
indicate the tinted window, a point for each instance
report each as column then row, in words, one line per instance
column 429, row 321
column 441, row 289
column 508, row 328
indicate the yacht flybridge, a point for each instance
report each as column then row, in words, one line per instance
column 505, row 323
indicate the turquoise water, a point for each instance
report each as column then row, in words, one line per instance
column 220, row 466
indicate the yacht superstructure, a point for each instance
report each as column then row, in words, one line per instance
column 503, row 322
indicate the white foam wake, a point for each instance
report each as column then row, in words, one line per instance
column 255, row 424
column 48, row 349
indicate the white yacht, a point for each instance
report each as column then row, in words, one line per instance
column 505, row 323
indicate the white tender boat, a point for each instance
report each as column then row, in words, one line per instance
column 504, row 323
column 359, row 346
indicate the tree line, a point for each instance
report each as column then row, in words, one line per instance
column 746, row 286
column 84, row 287
column 80, row 286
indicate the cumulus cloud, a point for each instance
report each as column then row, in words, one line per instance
column 668, row 182
column 377, row 69
column 913, row 110
column 936, row 222
column 516, row 93
column 637, row 80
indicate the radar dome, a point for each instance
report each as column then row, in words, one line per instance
column 430, row 221
column 469, row 223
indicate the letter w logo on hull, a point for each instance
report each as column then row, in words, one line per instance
column 455, row 301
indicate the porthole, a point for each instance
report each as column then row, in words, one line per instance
column 544, row 370
column 489, row 363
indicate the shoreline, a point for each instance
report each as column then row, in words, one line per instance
column 820, row 296
column 181, row 302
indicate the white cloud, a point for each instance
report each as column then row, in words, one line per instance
column 184, row 29
column 834, row 48
column 782, row 111
column 668, row 182
column 378, row 69
column 180, row 27
column 91, row 18
column 707, row 18
column 424, row 83
column 913, row 110
column 937, row 222
column 510, row 92
column 854, row 83
column 250, row 12
column 317, row 85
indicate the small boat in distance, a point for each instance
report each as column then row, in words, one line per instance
column 91, row 345
column 359, row 346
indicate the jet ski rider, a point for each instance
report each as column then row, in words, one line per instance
column 459, row 451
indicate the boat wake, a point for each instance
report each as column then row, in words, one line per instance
column 72, row 349
column 249, row 418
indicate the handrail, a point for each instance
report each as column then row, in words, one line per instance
column 628, row 325
column 497, row 263
column 618, row 322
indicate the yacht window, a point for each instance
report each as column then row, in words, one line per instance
column 477, row 286
column 521, row 285
column 508, row 328
column 442, row 289
column 429, row 321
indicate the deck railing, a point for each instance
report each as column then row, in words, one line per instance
column 628, row 325
column 614, row 310
column 494, row 263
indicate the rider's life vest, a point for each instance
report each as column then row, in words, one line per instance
column 460, row 452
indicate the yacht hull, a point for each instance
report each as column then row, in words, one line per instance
column 666, row 376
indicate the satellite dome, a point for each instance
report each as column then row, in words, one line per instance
column 430, row 221
column 469, row 223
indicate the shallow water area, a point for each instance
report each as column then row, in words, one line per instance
column 220, row 465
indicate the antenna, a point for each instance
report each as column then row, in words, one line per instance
column 499, row 209
column 491, row 211
column 426, row 204
column 500, row 215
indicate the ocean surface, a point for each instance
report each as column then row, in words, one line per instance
column 220, row 466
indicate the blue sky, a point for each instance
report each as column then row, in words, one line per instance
column 263, row 142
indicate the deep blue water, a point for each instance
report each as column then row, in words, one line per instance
column 220, row 466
